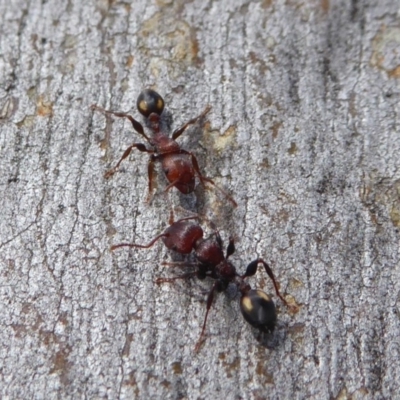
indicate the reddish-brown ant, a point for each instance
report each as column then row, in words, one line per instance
column 184, row 236
column 180, row 166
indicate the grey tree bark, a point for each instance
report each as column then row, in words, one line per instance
column 304, row 132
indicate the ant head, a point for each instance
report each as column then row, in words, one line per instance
column 149, row 102
column 258, row 310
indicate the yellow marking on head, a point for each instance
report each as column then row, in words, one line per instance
column 143, row 105
column 247, row 304
column 160, row 104
column 263, row 295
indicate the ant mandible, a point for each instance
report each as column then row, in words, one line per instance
column 183, row 237
column 179, row 166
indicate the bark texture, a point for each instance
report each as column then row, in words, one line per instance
column 304, row 132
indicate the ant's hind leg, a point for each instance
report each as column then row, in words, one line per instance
column 205, row 179
column 188, row 275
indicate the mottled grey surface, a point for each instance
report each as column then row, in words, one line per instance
column 304, row 131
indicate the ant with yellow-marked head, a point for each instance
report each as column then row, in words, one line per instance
column 185, row 236
column 179, row 166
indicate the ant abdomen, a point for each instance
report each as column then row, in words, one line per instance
column 182, row 236
column 258, row 310
column 179, row 171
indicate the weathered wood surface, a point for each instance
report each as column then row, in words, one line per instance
column 304, row 131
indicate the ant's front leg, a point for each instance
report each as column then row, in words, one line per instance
column 252, row 269
column 137, row 126
column 178, row 132
column 139, row 146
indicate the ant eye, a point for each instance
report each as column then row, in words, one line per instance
column 150, row 102
column 258, row 310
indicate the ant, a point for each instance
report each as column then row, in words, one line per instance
column 183, row 237
column 179, row 166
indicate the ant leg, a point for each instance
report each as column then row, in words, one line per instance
column 172, row 217
column 230, row 249
column 187, row 218
column 210, row 300
column 217, row 235
column 151, row 173
column 252, row 269
column 205, row 179
column 178, row 132
column 175, row 278
column 137, row 126
column 141, row 246
column 139, row 146
column 179, row 264
column 171, row 185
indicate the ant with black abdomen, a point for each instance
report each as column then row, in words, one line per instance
column 185, row 236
